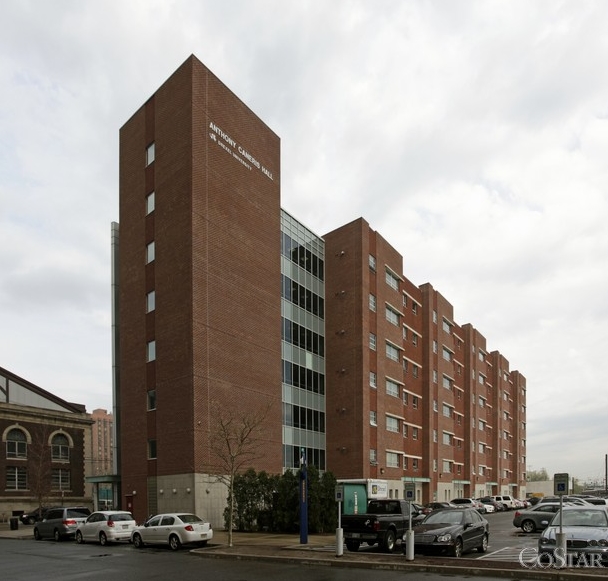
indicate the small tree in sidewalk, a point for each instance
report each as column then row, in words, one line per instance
column 236, row 443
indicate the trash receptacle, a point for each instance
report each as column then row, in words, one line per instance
column 14, row 523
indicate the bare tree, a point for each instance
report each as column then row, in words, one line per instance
column 39, row 466
column 236, row 442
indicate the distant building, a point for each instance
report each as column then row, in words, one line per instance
column 44, row 439
column 102, row 443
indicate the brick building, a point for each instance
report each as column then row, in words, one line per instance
column 44, row 439
column 224, row 303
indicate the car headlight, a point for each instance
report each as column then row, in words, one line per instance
column 603, row 542
column 445, row 538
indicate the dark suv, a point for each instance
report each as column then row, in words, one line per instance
column 33, row 516
column 61, row 522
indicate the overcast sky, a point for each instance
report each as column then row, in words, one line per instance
column 471, row 135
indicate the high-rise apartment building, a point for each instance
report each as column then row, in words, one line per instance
column 102, row 443
column 226, row 304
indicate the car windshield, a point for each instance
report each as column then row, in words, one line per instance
column 118, row 516
column 451, row 517
column 189, row 518
column 582, row 518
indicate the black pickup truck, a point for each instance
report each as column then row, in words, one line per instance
column 384, row 522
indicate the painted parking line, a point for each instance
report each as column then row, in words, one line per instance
column 505, row 555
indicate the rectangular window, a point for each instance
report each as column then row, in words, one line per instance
column 405, row 429
column 392, row 460
column 414, row 308
column 447, row 466
column 447, row 439
column 372, row 341
column 373, row 457
column 392, row 388
column 435, row 436
column 447, row 382
column 373, row 418
column 392, row 316
column 60, row 479
column 372, row 302
column 150, row 203
column 447, row 411
column 414, row 433
column 373, row 379
column 151, row 449
column 392, row 424
column 446, row 326
column 150, row 252
column 415, row 464
column 16, row 478
column 392, row 280
column 415, row 371
column 415, row 402
column 150, row 153
column 150, row 301
column 372, row 262
column 392, row 352
column 446, row 354
column 151, row 351
column 415, row 339
column 406, row 398
column 151, row 399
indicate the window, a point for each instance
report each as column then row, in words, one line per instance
column 151, row 351
column 16, row 478
column 481, row 355
column 434, row 464
column 60, row 448
column 446, row 326
column 405, row 463
column 482, row 448
column 372, row 341
column 372, row 262
column 373, row 379
column 481, row 379
column 447, row 466
column 405, row 365
column 447, row 382
column 482, row 402
column 16, row 444
column 392, row 316
column 415, row 402
column 150, row 203
column 415, row 339
column 414, row 433
column 447, row 438
column 392, row 460
column 414, row 308
column 392, row 280
column 435, row 346
column 60, row 479
column 435, row 376
column 405, row 429
column 150, row 253
column 481, row 425
column 405, row 300
column 373, row 457
column 392, row 352
column 372, row 302
column 373, row 418
column 150, row 301
column 435, row 436
column 415, row 464
column 435, row 406
column 447, row 411
column 151, row 449
column 434, row 316
column 392, row 424
column 406, row 398
column 404, row 333
column 150, row 153
column 392, row 388
column 151, row 399
column 446, row 354
column 415, row 371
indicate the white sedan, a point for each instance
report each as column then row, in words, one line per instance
column 173, row 529
column 106, row 526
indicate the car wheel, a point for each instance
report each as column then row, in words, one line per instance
column 174, row 542
column 389, row 541
column 138, row 542
column 528, row 526
column 484, row 545
column 79, row 538
column 57, row 535
column 103, row 539
column 457, row 548
column 352, row 546
column 37, row 534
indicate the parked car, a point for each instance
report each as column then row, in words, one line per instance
column 572, row 499
column 61, row 522
column 33, row 516
column 597, row 501
column 106, row 526
column 174, row 529
column 586, row 530
column 469, row 503
column 536, row 518
column 506, row 500
column 431, row 506
column 487, row 507
column 452, row 532
column 488, row 500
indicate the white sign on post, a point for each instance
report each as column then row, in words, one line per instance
column 560, row 483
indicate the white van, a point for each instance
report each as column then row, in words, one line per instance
column 506, row 500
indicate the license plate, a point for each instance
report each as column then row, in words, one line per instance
column 125, row 527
